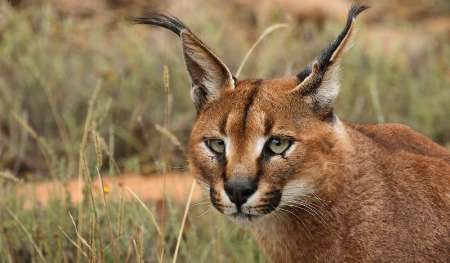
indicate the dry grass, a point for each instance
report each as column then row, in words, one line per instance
column 88, row 96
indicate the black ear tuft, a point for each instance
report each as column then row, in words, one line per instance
column 303, row 74
column 326, row 57
column 210, row 77
column 319, row 80
column 166, row 21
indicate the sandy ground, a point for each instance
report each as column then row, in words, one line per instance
column 175, row 186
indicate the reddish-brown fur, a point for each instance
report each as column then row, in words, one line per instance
column 338, row 192
column 384, row 189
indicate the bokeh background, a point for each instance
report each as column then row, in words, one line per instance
column 84, row 92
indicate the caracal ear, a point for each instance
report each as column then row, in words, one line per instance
column 210, row 76
column 318, row 83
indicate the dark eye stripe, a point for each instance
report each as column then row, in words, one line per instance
column 250, row 100
column 268, row 124
column 223, row 124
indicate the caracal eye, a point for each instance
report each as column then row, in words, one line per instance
column 278, row 145
column 216, row 145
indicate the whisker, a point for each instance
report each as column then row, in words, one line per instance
column 310, row 208
column 320, row 199
column 297, row 218
column 313, row 212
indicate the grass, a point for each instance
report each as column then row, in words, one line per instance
column 119, row 232
column 98, row 96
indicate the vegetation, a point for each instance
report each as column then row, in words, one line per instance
column 89, row 96
column 120, row 231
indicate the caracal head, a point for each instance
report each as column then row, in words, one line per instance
column 261, row 146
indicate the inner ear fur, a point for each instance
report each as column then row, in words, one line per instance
column 318, row 82
column 209, row 75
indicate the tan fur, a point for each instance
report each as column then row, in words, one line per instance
column 339, row 192
column 381, row 192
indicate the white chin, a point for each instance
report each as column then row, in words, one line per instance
column 243, row 219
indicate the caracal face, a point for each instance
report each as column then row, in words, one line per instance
column 257, row 149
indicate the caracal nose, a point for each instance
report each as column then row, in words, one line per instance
column 239, row 190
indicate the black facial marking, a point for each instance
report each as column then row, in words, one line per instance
column 259, row 168
column 248, row 104
column 271, row 202
column 223, row 124
column 214, row 200
column 268, row 125
column 274, row 199
column 224, row 172
column 222, row 160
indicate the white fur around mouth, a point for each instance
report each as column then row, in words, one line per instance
column 241, row 218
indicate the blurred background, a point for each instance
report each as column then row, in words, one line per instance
column 84, row 92
column 53, row 53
